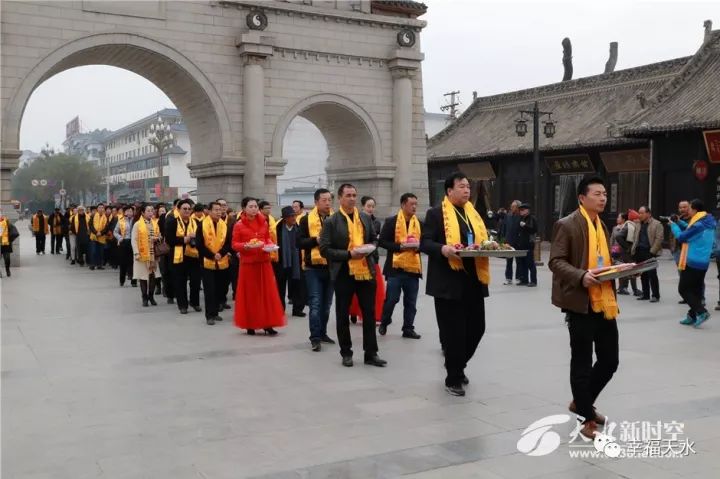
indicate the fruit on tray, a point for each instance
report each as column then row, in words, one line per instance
column 495, row 246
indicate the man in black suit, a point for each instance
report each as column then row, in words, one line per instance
column 288, row 268
column 352, row 272
column 459, row 285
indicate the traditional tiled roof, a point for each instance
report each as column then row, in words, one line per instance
column 691, row 100
column 586, row 111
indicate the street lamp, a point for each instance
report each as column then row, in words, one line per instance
column 549, row 131
column 161, row 138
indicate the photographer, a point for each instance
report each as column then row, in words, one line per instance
column 648, row 245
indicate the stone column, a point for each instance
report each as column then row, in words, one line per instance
column 403, row 67
column 254, row 51
column 8, row 164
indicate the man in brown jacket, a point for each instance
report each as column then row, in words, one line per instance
column 648, row 245
column 573, row 290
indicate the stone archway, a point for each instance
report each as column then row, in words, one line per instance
column 182, row 81
column 353, row 139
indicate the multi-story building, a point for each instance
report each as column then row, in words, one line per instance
column 88, row 145
column 133, row 161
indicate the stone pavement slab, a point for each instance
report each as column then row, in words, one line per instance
column 95, row 386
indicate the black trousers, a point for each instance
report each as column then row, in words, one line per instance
column 188, row 270
column 168, row 283
column 587, row 380
column 68, row 252
column 462, row 326
column 82, row 248
column 40, row 243
column 215, row 283
column 112, row 253
column 345, row 287
column 125, row 260
column 691, row 286
column 56, row 243
column 648, row 279
column 233, row 277
column 295, row 288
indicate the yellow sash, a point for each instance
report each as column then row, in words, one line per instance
column 452, row 237
column 314, row 229
column 272, row 224
column 5, row 235
column 359, row 268
column 98, row 225
column 76, row 219
column 123, row 226
column 57, row 224
column 184, row 249
column 214, row 242
column 409, row 259
column 682, row 262
column 143, row 238
column 36, row 224
column 602, row 296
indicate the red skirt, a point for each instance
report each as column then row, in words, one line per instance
column 379, row 297
column 257, row 301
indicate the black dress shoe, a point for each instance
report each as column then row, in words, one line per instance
column 197, row 309
column 375, row 361
column 92, row 268
column 327, row 339
column 465, row 380
column 642, row 298
column 353, row 319
column 299, row 314
column 411, row 334
column 347, row 361
column 183, row 311
column 72, row 262
column 251, row 332
column 145, row 303
column 316, row 346
column 133, row 283
column 100, row 267
column 455, row 390
column 152, row 301
column 382, row 330
column 654, row 300
column 270, row 332
column 210, row 321
column 226, row 306
column 682, row 301
column 218, row 318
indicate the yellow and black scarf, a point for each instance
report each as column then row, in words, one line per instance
column 359, row 268
column 214, row 241
column 452, row 237
column 409, row 259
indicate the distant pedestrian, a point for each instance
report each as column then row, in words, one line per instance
column 40, row 229
column 527, row 229
column 648, row 246
column 508, row 233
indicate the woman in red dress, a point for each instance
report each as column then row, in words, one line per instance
column 257, row 301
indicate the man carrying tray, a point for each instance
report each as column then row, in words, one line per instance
column 580, row 244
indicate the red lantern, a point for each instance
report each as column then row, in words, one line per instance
column 700, row 167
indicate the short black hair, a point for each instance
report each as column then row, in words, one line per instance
column 128, row 207
column 584, row 185
column 176, row 201
column 245, row 201
column 211, row 204
column 697, row 204
column 186, row 201
column 199, row 207
column 345, row 185
column 100, row 204
column 646, row 208
column 302, row 205
column 450, row 180
column 263, row 203
column 405, row 197
column 624, row 216
column 365, row 199
column 319, row 192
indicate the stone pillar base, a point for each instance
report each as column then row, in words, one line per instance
column 220, row 179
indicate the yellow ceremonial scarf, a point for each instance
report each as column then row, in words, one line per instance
column 123, row 226
column 143, row 239
column 272, row 224
column 409, row 259
column 76, row 219
column 602, row 296
column 184, row 249
column 682, row 262
column 314, row 229
column 214, row 242
column 57, row 224
column 4, row 225
column 99, row 222
column 452, row 237
column 36, row 224
column 359, row 268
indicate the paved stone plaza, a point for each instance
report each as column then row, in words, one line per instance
column 93, row 385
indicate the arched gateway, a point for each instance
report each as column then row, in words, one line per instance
column 240, row 71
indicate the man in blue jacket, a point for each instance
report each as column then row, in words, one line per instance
column 696, row 245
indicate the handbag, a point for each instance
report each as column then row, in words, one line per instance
column 160, row 248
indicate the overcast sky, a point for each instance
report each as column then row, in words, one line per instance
column 490, row 47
